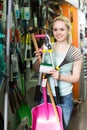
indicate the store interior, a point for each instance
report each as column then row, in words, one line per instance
column 23, row 28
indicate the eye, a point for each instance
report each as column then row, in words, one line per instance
column 54, row 29
column 62, row 29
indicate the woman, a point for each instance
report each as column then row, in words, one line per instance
column 68, row 73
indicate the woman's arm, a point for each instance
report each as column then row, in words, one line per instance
column 74, row 77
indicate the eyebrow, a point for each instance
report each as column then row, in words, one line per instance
column 59, row 28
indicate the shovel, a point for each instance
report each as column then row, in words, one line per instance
column 48, row 86
column 23, row 109
column 43, row 116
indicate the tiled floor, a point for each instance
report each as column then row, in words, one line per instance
column 79, row 121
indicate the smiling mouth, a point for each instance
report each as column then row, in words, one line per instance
column 59, row 37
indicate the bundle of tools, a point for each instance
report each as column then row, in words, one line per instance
column 19, row 104
column 50, row 111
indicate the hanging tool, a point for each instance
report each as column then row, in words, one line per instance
column 29, row 51
column 23, row 110
column 11, row 97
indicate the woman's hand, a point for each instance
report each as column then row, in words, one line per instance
column 55, row 74
column 38, row 53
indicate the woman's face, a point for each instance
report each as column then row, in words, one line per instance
column 60, row 31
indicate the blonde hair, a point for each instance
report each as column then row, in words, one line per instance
column 68, row 25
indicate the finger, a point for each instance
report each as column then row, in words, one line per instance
column 52, row 71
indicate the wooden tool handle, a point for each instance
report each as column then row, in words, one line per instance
column 35, row 44
column 34, row 41
column 48, row 86
column 52, row 101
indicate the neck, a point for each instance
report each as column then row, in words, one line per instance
column 61, row 43
column 61, row 46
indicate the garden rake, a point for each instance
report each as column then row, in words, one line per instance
column 72, row 55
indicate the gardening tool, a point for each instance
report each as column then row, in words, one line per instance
column 23, row 110
column 72, row 55
column 17, row 54
column 43, row 116
column 19, row 104
column 23, row 113
column 12, row 101
column 29, row 51
column 38, row 94
column 48, row 45
column 48, row 86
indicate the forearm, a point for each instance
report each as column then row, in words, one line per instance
column 69, row 78
column 75, row 75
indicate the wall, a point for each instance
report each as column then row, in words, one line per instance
column 72, row 13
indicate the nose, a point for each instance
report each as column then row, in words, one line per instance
column 58, row 31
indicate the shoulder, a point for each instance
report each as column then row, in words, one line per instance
column 76, row 51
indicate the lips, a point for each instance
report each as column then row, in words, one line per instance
column 59, row 37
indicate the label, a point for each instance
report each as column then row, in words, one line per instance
column 44, row 81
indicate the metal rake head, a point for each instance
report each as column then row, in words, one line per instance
column 73, row 54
